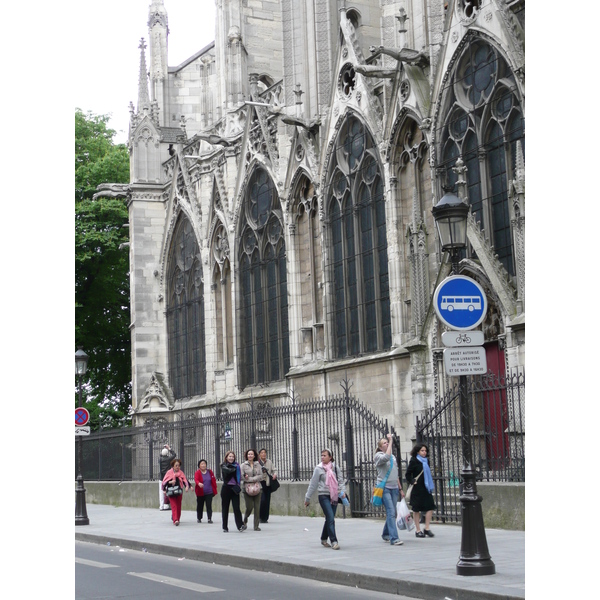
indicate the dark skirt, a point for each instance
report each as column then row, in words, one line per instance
column 422, row 502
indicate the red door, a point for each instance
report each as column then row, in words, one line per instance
column 494, row 409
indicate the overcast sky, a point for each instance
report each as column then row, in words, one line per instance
column 107, row 61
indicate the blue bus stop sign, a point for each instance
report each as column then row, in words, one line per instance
column 460, row 302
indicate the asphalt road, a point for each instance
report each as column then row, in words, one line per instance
column 111, row 572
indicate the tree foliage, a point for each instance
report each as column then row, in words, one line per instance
column 102, row 271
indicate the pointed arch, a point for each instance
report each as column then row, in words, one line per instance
column 263, row 302
column 306, row 266
column 481, row 122
column 357, row 240
column 410, row 164
column 185, row 312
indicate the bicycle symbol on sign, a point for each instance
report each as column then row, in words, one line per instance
column 463, row 338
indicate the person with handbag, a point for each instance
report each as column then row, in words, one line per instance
column 174, row 483
column 387, row 471
column 269, row 484
column 327, row 481
column 206, row 488
column 418, row 475
column 252, row 477
column 230, row 491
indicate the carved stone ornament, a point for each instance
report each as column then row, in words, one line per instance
column 404, row 90
column 157, row 389
column 347, row 80
column 468, row 10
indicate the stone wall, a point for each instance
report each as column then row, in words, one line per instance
column 503, row 503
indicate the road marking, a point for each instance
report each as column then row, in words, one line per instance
column 93, row 563
column 187, row 585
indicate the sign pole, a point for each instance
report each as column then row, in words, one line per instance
column 81, row 517
column 474, row 558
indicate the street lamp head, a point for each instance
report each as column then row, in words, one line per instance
column 450, row 215
column 81, row 360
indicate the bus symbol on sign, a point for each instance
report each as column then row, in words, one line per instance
column 460, row 302
column 469, row 303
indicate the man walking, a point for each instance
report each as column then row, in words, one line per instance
column 166, row 456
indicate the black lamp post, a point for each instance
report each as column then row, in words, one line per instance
column 450, row 215
column 81, row 518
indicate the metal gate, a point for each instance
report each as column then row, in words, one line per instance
column 293, row 435
column 497, row 415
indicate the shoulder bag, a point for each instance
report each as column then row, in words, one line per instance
column 411, row 486
column 377, row 499
column 253, row 488
column 274, row 484
column 174, row 489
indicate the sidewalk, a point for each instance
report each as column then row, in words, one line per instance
column 423, row 568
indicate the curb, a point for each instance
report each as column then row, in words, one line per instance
column 404, row 587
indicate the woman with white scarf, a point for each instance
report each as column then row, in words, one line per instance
column 328, row 483
column 421, row 498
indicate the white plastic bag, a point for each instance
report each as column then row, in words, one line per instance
column 404, row 520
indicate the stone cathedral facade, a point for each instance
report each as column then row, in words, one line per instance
column 282, row 180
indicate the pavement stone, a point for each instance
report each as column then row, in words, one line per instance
column 421, row 568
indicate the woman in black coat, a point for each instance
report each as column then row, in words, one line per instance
column 421, row 498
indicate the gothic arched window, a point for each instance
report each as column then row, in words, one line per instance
column 357, row 237
column 483, row 124
column 185, row 313
column 264, row 352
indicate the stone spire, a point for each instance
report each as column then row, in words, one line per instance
column 158, row 33
column 158, row 28
column 143, row 95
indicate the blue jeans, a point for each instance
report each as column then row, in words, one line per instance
column 390, row 498
column 329, row 512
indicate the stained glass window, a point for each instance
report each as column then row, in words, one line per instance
column 185, row 313
column 264, row 306
column 357, row 234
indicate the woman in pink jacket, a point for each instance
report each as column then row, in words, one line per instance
column 174, row 482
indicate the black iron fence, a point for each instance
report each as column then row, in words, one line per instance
column 293, row 435
column 497, row 416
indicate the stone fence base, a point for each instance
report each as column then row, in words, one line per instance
column 503, row 503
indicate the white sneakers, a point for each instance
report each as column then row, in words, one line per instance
column 397, row 543
column 335, row 546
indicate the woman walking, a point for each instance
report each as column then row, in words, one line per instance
column 421, row 498
column 327, row 481
column 270, row 475
column 252, row 477
column 206, row 488
column 175, row 479
column 387, row 469
column 230, row 491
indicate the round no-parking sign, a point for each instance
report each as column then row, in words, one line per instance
column 460, row 302
column 82, row 416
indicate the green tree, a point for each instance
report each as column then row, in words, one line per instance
column 102, row 271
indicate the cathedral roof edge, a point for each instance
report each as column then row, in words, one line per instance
column 192, row 58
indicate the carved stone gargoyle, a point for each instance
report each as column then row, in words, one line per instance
column 311, row 126
column 112, row 190
column 213, row 139
column 403, row 55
